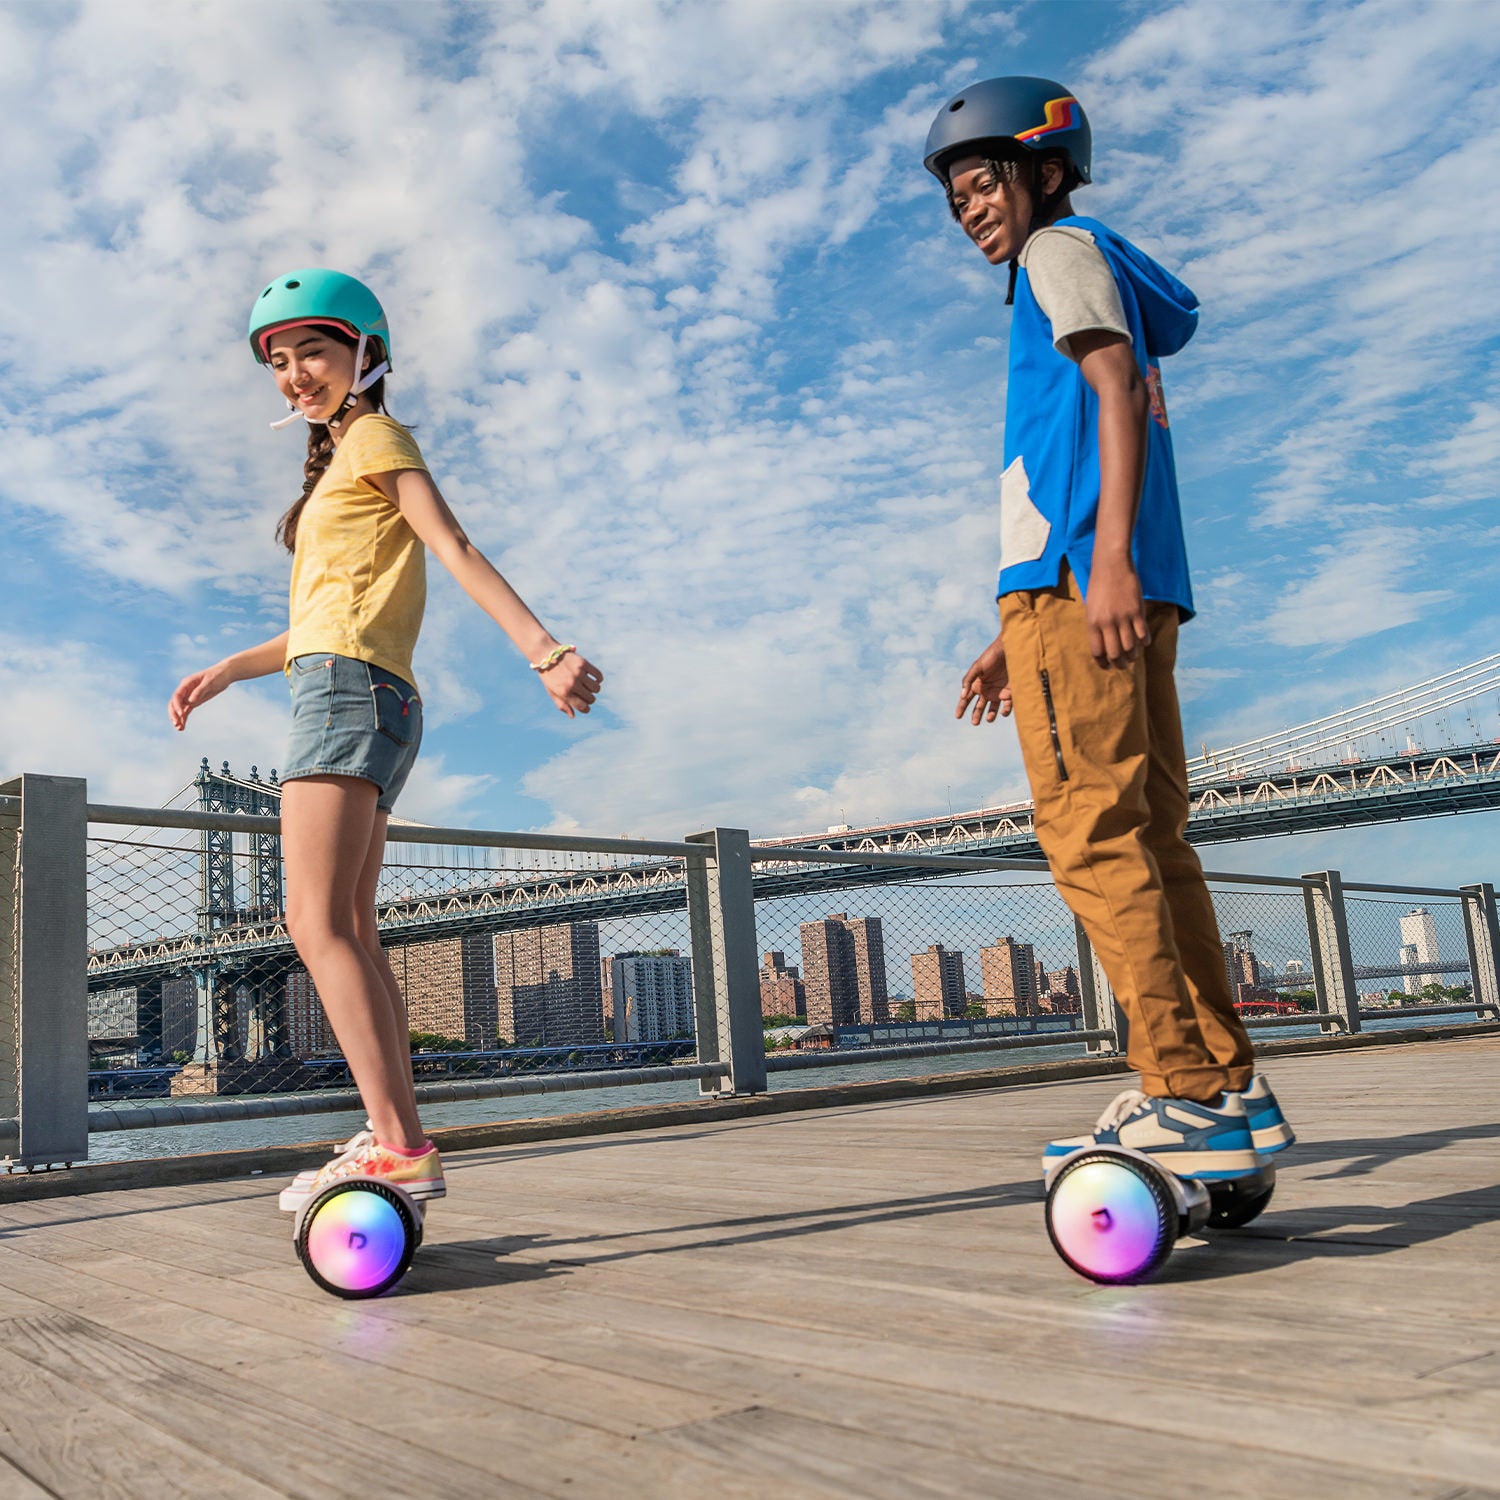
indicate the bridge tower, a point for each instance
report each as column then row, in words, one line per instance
column 223, row 792
column 223, row 989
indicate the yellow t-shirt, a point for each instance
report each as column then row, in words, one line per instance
column 359, row 573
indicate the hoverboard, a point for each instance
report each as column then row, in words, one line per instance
column 1113, row 1214
column 357, row 1236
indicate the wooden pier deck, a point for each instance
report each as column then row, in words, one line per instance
column 852, row 1302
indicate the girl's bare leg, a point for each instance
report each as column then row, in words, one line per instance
column 328, row 827
column 369, row 937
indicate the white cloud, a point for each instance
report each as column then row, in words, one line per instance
column 1353, row 592
column 699, row 360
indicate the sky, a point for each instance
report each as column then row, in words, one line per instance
column 700, row 361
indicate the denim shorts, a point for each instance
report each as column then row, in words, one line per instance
column 353, row 719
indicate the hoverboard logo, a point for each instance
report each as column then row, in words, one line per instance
column 357, row 1241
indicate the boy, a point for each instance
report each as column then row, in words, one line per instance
column 1093, row 585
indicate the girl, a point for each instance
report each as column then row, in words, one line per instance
column 358, row 535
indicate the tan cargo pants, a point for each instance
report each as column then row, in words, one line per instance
column 1104, row 755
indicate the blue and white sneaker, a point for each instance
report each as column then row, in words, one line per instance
column 1212, row 1143
column 1268, row 1127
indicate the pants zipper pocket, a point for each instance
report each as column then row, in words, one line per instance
column 1062, row 769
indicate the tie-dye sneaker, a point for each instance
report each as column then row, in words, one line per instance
column 1209, row 1142
column 355, row 1143
column 421, row 1176
column 1268, row 1126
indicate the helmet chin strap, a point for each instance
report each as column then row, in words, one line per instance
column 359, row 387
column 1045, row 203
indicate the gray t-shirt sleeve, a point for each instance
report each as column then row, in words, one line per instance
column 1073, row 284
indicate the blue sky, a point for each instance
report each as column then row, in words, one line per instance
column 699, row 359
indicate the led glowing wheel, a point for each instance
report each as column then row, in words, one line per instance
column 357, row 1237
column 1112, row 1217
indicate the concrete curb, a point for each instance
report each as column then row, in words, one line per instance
column 263, row 1166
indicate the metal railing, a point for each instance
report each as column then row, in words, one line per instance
column 536, row 963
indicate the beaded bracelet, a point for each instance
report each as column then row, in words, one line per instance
column 551, row 659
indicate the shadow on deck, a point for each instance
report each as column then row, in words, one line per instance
column 847, row 1302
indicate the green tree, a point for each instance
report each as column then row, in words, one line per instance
column 975, row 1011
column 905, row 1011
column 430, row 1041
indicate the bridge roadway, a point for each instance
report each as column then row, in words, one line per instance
column 846, row 1304
column 1298, row 801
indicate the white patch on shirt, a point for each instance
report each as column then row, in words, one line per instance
column 1023, row 528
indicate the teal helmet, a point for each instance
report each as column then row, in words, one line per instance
column 317, row 296
column 327, row 298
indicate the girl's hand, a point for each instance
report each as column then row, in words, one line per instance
column 987, row 686
column 572, row 683
column 196, row 688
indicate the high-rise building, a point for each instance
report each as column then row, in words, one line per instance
column 1008, row 971
column 843, row 966
column 1065, row 981
column 312, row 1036
column 548, row 985
column 938, row 988
column 782, row 992
column 1419, row 933
column 650, row 995
column 112, row 1015
column 1241, row 967
column 449, row 985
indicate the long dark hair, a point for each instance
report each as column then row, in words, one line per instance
column 320, row 438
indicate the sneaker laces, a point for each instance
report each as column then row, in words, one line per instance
column 1121, row 1108
column 359, row 1152
column 355, row 1143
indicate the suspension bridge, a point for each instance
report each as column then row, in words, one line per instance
column 1427, row 750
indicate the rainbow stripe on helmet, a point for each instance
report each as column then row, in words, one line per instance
column 1061, row 114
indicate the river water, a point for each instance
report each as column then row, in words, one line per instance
column 238, row 1135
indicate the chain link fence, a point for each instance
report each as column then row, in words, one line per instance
column 10, row 966
column 510, row 962
column 535, row 963
column 1408, row 952
column 878, row 964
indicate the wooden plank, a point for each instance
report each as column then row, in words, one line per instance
column 17, row 1485
column 279, row 1446
column 62, row 1440
column 834, row 1302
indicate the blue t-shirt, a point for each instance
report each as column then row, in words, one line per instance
column 1050, row 488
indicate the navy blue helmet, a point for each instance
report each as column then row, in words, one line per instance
column 1040, row 114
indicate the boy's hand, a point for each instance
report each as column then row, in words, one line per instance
column 1116, row 613
column 572, row 684
column 987, row 686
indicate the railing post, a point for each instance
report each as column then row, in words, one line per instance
column 726, row 986
column 44, row 970
column 1482, row 932
column 1333, row 967
column 1101, row 1011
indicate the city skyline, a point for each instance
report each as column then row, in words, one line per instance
column 552, row 984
